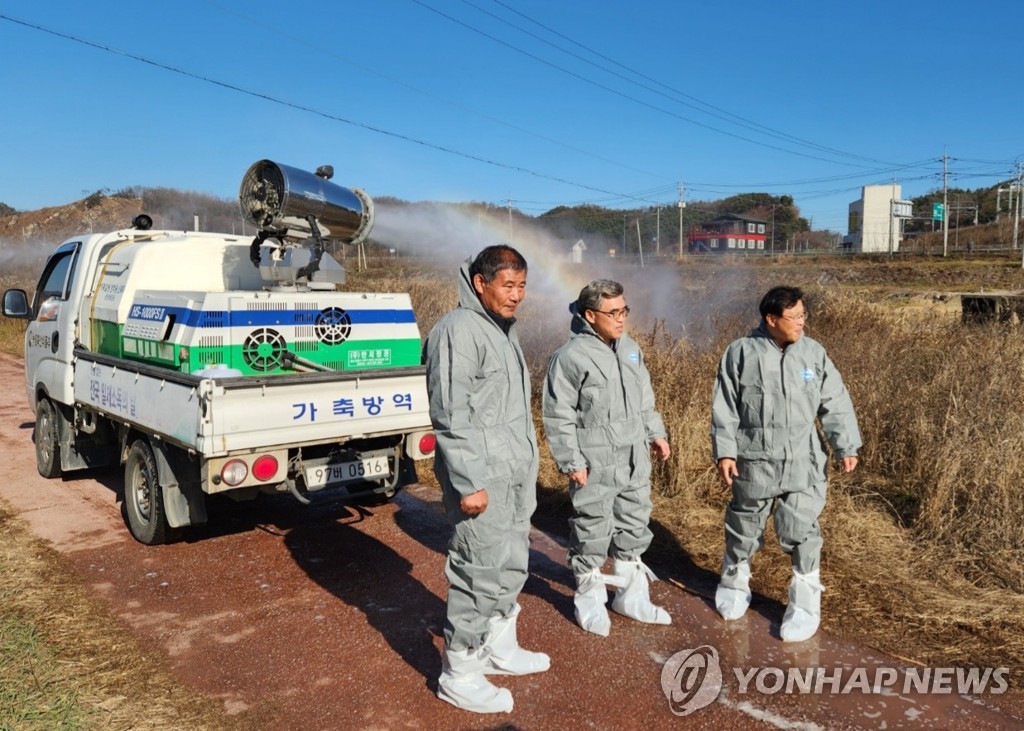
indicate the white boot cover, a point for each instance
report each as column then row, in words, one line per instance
column 803, row 614
column 590, row 600
column 462, row 683
column 732, row 597
column 634, row 600
column 506, row 657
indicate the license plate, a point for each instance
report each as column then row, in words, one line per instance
column 370, row 468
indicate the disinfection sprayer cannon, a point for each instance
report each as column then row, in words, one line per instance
column 297, row 211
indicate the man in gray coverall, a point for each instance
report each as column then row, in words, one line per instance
column 486, row 463
column 601, row 425
column 772, row 388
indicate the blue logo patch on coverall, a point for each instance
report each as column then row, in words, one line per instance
column 807, row 374
column 634, row 356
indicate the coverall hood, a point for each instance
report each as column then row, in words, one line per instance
column 579, row 323
column 470, row 299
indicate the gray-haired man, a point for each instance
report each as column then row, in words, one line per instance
column 486, row 462
column 601, row 424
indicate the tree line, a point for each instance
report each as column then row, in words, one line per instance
column 660, row 227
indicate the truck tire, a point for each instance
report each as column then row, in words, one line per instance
column 143, row 497
column 47, row 440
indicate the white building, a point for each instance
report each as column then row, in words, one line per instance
column 873, row 224
column 577, row 250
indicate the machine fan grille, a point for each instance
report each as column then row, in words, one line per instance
column 260, row 194
column 264, row 349
column 333, row 326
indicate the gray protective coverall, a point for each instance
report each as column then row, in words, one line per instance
column 479, row 389
column 765, row 405
column 599, row 414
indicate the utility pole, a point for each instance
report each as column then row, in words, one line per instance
column 1020, row 191
column 956, row 238
column 681, row 204
column 639, row 243
column 892, row 213
column 657, row 234
column 945, row 204
column 1016, row 214
column 892, row 204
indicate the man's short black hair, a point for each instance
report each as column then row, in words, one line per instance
column 493, row 259
column 778, row 299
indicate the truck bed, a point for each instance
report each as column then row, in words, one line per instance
column 219, row 416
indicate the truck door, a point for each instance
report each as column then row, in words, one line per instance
column 48, row 345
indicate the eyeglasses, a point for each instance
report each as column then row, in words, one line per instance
column 615, row 314
column 802, row 317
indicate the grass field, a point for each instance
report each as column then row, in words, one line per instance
column 923, row 544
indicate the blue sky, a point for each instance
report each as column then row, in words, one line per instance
column 544, row 103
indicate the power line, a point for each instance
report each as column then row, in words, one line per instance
column 717, row 112
column 310, row 110
column 644, row 197
column 362, row 67
column 622, row 94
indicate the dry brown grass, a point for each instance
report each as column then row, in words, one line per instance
column 12, row 332
column 67, row 663
column 923, row 543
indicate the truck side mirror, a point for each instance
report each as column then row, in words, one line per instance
column 16, row 304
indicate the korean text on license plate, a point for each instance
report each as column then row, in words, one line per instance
column 369, row 468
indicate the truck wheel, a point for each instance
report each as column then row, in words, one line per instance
column 46, row 439
column 143, row 498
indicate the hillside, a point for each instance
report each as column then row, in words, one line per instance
column 21, row 231
column 53, row 224
column 26, row 236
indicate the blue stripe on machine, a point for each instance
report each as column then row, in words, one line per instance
column 267, row 318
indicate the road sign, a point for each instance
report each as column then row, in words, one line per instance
column 938, row 211
column 903, row 209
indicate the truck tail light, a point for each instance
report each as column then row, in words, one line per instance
column 264, row 468
column 234, row 472
column 420, row 444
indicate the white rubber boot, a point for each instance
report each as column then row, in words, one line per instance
column 732, row 597
column 634, row 600
column 803, row 613
column 506, row 657
column 463, row 684
column 590, row 600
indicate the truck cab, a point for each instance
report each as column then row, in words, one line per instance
column 49, row 337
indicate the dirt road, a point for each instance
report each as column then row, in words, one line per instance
column 329, row 617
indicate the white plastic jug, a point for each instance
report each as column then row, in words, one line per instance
column 218, row 370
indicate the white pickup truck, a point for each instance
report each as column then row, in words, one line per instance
column 207, row 363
